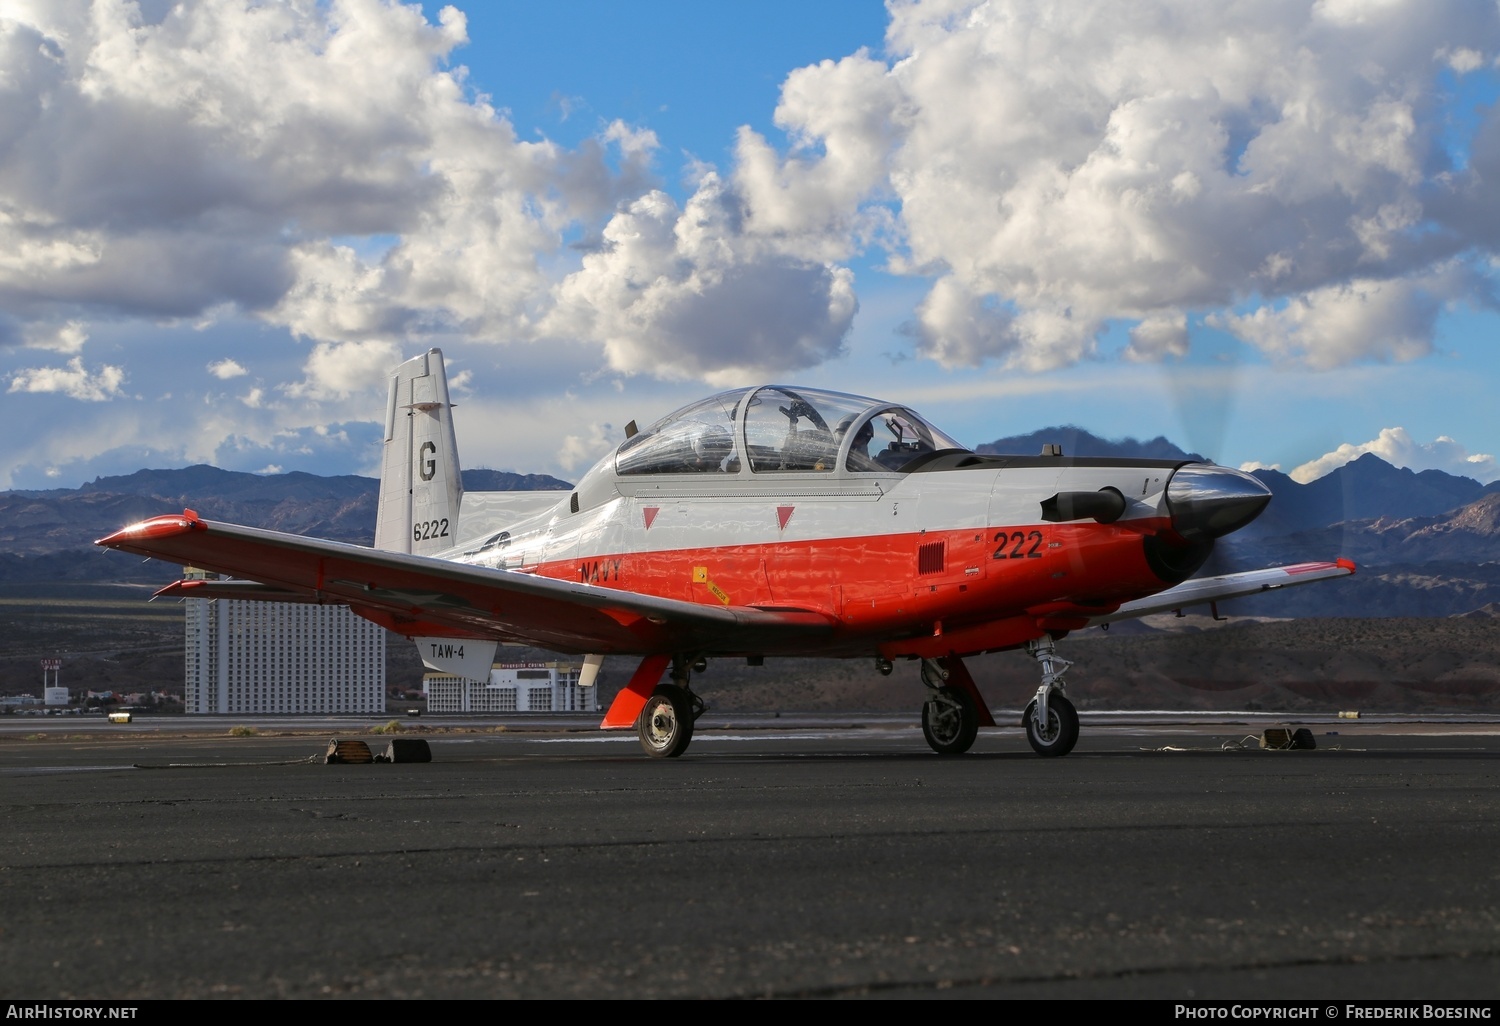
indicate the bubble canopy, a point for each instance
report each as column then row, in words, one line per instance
column 774, row 429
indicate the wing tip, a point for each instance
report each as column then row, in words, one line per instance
column 1346, row 565
column 167, row 526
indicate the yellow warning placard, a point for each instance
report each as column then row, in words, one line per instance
column 700, row 576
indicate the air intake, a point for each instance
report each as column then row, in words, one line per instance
column 930, row 558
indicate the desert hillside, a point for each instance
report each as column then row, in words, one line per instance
column 1374, row 665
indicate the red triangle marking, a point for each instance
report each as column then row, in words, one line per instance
column 650, row 512
column 783, row 514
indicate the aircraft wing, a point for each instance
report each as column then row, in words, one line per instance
column 424, row 596
column 1218, row 589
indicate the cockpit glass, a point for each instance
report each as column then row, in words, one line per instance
column 697, row 439
column 891, row 439
column 798, row 429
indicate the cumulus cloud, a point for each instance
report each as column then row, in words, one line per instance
column 583, row 450
column 1279, row 166
column 1461, row 59
column 74, row 381
column 1333, row 326
column 1398, row 448
column 1158, row 336
column 957, row 328
column 843, row 118
column 1295, row 174
column 688, row 292
column 337, row 370
column 65, row 338
column 1060, row 168
column 226, row 368
column 324, row 168
column 231, row 156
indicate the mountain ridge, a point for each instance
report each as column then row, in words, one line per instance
column 340, row 508
column 1077, row 441
column 1427, row 543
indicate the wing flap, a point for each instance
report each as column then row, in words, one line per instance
column 193, row 588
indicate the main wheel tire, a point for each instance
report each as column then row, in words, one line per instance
column 1061, row 733
column 949, row 721
column 665, row 725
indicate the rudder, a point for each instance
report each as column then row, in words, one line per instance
column 420, row 482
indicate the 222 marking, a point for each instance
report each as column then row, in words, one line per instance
column 1017, row 541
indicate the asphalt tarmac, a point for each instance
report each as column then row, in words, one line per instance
column 787, row 859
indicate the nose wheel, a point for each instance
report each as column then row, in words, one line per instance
column 1050, row 720
column 1059, row 734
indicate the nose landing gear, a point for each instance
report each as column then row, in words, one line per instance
column 1050, row 720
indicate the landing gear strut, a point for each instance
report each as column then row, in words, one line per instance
column 949, row 720
column 665, row 725
column 1050, row 720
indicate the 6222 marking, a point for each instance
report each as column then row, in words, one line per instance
column 428, row 529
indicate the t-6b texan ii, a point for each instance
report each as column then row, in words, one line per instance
column 768, row 521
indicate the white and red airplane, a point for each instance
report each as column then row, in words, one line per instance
column 769, row 521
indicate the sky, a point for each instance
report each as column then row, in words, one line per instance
column 1267, row 230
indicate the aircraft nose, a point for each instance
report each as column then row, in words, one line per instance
column 1209, row 502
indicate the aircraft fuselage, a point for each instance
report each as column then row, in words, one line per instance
column 955, row 555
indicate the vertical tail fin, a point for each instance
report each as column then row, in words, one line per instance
column 420, row 486
column 420, row 492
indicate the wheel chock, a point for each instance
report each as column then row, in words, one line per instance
column 355, row 752
column 1276, row 737
column 1286, row 739
column 406, row 749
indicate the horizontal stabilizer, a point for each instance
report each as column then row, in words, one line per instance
column 483, row 514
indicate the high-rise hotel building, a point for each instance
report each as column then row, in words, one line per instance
column 247, row 657
column 512, row 687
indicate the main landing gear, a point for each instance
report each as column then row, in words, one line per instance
column 1050, row 720
column 954, row 710
column 665, row 725
column 951, row 716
